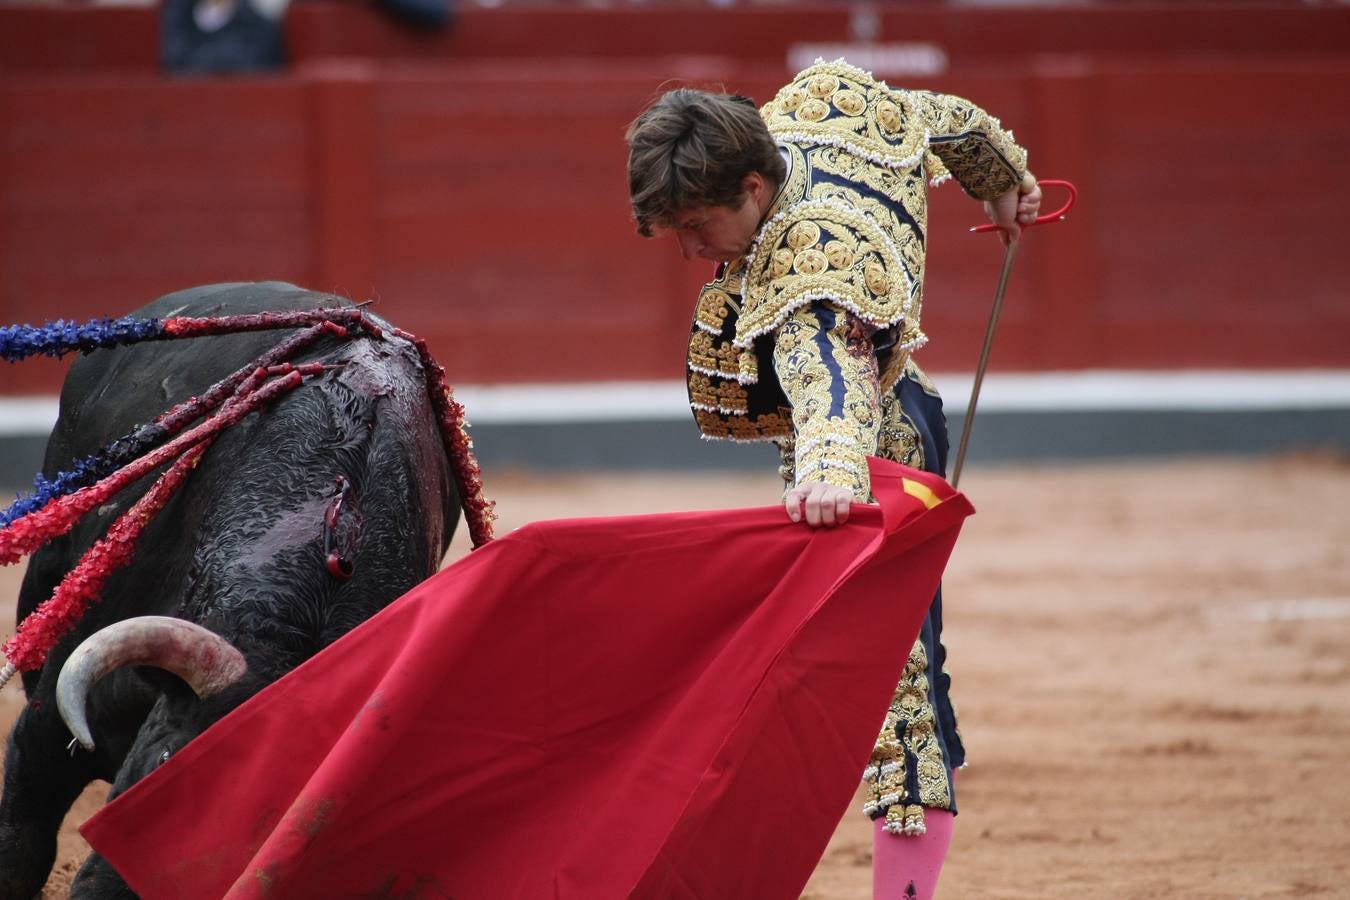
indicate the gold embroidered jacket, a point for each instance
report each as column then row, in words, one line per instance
column 802, row 340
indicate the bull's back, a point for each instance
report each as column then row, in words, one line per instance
column 108, row 392
column 241, row 548
column 245, row 532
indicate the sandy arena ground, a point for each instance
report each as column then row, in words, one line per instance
column 1152, row 664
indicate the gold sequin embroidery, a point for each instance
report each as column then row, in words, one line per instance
column 849, row 102
column 829, row 447
column 791, row 98
column 810, row 262
column 707, row 354
column 713, row 308
column 891, row 135
column 913, row 371
column 874, row 285
column 802, row 235
column 908, row 732
column 822, row 85
column 838, row 254
column 898, row 439
column 813, row 110
column 971, row 144
column 743, row 428
column 888, row 116
column 717, row 395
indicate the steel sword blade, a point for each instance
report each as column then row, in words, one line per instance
column 1057, row 216
column 1008, row 256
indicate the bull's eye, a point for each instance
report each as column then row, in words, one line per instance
column 164, row 756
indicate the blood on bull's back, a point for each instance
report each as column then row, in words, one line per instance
column 299, row 522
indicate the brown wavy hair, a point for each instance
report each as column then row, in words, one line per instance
column 692, row 148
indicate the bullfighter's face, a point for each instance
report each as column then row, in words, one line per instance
column 724, row 233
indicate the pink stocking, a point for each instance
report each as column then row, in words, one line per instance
column 906, row 867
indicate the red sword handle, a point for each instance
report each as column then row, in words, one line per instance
column 1057, row 216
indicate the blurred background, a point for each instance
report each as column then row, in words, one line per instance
column 1150, row 650
column 463, row 164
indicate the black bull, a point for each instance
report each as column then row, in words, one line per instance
column 240, row 549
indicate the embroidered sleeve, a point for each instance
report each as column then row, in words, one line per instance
column 824, row 361
column 971, row 145
column 787, row 461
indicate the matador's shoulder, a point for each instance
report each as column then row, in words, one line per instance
column 823, row 250
column 838, row 104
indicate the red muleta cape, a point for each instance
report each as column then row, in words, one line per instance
column 650, row 706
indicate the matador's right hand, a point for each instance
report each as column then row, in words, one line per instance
column 1017, row 207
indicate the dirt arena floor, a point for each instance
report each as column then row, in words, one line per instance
column 1152, row 665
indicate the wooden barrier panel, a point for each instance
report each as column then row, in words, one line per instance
column 119, row 189
column 483, row 203
column 969, row 35
column 76, row 36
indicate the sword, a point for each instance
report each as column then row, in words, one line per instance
column 1008, row 256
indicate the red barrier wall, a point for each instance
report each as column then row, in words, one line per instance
column 75, row 37
column 483, row 200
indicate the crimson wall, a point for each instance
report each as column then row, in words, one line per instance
column 473, row 181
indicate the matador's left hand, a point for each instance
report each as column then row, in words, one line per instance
column 820, row 502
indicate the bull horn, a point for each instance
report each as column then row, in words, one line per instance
column 202, row 658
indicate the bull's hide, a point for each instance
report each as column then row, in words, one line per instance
column 658, row 706
column 350, row 463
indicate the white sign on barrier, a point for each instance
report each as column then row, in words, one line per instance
column 884, row 60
